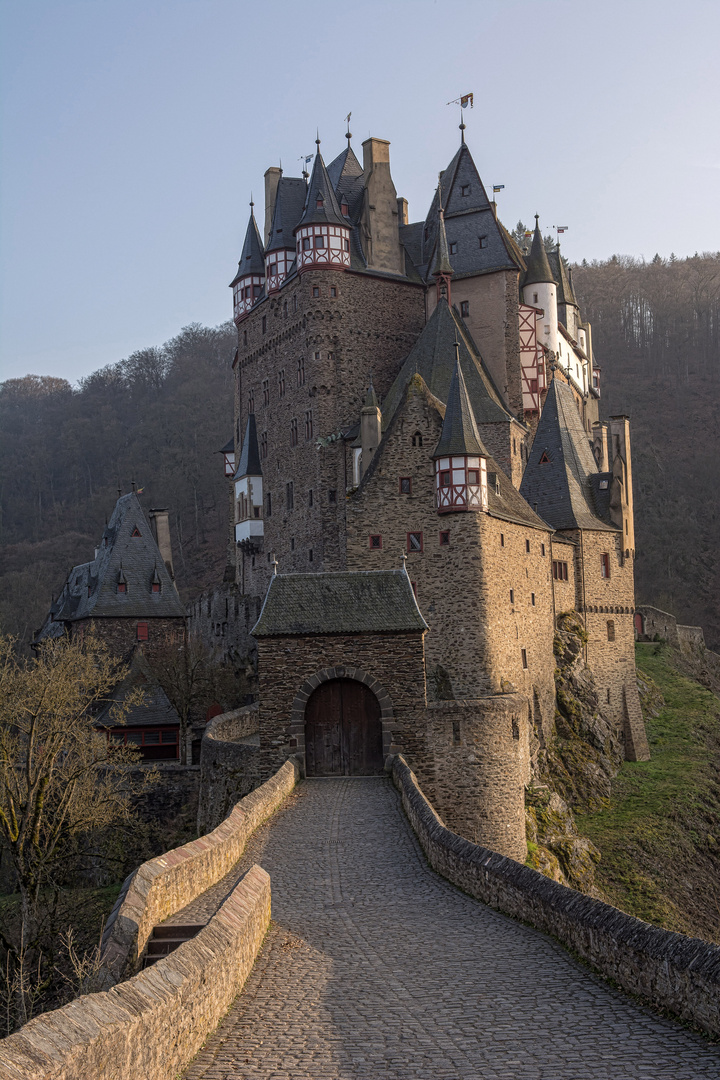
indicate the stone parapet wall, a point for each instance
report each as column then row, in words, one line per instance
column 152, row 1025
column 670, row 971
column 229, row 764
column 691, row 636
column 165, row 885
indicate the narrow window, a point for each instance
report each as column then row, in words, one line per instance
column 301, row 371
column 453, row 247
column 251, row 401
column 605, row 565
column 512, row 596
column 611, row 629
column 294, row 303
column 268, row 505
column 293, row 432
column 245, row 338
column 527, row 545
column 316, row 290
column 483, row 241
column 445, row 538
column 310, row 497
column 264, row 324
column 535, row 298
column 514, row 447
column 523, row 653
column 308, row 424
column 346, row 245
column 332, row 495
column 320, row 242
column 142, row 631
column 465, row 190
column 285, row 309
column 607, row 695
column 376, row 541
column 281, row 383
column 266, row 391
column 542, row 549
column 456, row 732
column 405, row 485
column 415, row 541
column 310, row 555
column 263, row 446
column 333, row 291
column 290, row 496
column 417, row 439
column 532, row 599
column 306, row 243
column 502, row 539
column 292, row 543
column 464, row 308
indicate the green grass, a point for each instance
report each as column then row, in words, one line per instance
column 660, row 836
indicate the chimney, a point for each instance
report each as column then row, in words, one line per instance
column 370, row 429
column 402, row 205
column 621, row 502
column 160, row 522
column 380, row 209
column 600, row 446
column 272, row 179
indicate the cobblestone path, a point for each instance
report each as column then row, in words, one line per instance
column 377, row 969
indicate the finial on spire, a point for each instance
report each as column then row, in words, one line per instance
column 403, row 557
column 462, row 129
column 252, row 204
column 274, row 565
column 537, row 219
column 348, row 133
column 456, row 343
column 317, row 140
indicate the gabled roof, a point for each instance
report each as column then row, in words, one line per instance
column 249, row 463
column 459, row 431
column 468, row 217
column 252, row 259
column 538, row 267
column 433, row 357
column 363, row 602
column 565, row 293
column 127, row 548
column 155, row 711
column 289, row 204
column 562, row 487
column 321, row 187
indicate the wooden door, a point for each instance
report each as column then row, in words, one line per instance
column 343, row 730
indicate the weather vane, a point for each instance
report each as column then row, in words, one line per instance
column 463, row 102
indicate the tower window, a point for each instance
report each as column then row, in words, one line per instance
column 376, row 541
column 142, row 631
column 281, row 383
column 445, row 478
column 332, row 495
column 465, row 190
column 268, row 505
column 285, row 309
column 306, row 243
column 251, row 401
column 415, row 541
column 308, row 424
column 417, row 439
column 122, row 587
column 310, row 555
column 527, row 546
column 453, row 247
column 535, row 298
column 272, row 270
column 263, row 446
column 316, row 290
column 310, row 497
column 502, row 539
column 445, row 538
column 136, row 532
column 294, row 431
column 512, row 596
column 611, row 629
column 319, row 242
column 333, row 291
column 266, row 391
column 523, row 653
column 483, row 241
column 156, row 586
column 605, row 565
column 344, row 209
column 346, row 245
column 405, row 485
column 264, row 324
column 473, row 476
column 464, row 308
column 292, row 543
column 532, row 599
column 245, row 338
column 301, row 371
column 319, row 203
column 290, row 496
column 544, row 459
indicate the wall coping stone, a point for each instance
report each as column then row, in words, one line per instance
column 668, row 970
column 152, row 1025
column 166, row 884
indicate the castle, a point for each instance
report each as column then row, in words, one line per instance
column 423, row 486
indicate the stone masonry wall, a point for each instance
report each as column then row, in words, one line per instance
column 151, row 1026
column 120, row 635
column 164, row 885
column 222, row 618
column 394, row 667
column 366, row 329
column 668, row 970
column 229, row 764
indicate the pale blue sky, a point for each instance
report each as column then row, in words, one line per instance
column 133, row 132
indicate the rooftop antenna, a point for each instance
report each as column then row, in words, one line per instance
column 348, row 133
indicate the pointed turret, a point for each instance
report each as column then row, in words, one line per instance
column 442, row 269
column 247, row 285
column 568, row 311
column 540, row 290
column 460, row 457
column 280, row 251
column 322, row 235
column 249, row 529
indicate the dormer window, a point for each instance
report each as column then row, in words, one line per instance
column 136, row 532
column 344, row 208
column 483, row 241
column 121, row 587
column 319, row 203
column 465, row 190
column 156, row 586
column 453, row 247
column 544, row 460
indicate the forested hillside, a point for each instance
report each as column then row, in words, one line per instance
column 156, row 418
column 159, row 416
column 656, row 334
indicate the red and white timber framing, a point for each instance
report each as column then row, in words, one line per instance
column 277, row 267
column 246, row 294
column 532, row 362
column 461, row 484
column 323, row 245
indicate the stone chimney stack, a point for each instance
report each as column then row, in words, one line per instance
column 380, row 236
column 160, row 523
column 370, row 429
column 402, row 205
column 621, row 499
column 272, row 179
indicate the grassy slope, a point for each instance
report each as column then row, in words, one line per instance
column 660, row 836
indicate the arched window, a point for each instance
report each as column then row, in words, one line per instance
column 417, row 439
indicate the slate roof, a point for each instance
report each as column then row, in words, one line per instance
column 329, row 212
column 249, row 463
column 442, row 256
column 90, row 590
column 459, row 431
column 467, row 218
column 289, row 204
column 363, row 602
column 564, row 487
column 252, row 259
column 433, row 357
column 538, row 267
column 155, row 711
column 346, row 174
column 565, row 293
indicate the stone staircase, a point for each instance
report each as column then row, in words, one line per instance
column 165, row 939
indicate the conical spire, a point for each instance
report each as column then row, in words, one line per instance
column 442, row 267
column 252, row 260
column 459, row 436
column 538, row 266
column 249, row 464
column 321, row 205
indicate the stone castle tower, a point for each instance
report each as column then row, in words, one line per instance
column 424, row 391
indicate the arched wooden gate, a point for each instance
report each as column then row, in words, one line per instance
column 343, row 730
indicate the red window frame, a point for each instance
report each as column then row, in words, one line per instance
column 605, row 564
column 122, row 587
column 446, row 478
column 375, row 541
column 415, row 550
column 407, row 481
column 143, row 632
column 156, row 586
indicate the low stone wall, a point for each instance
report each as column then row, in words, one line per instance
column 152, row 1025
column 164, row 885
column 229, row 764
column 670, row 971
column 692, row 636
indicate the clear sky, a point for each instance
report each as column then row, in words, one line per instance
column 134, row 130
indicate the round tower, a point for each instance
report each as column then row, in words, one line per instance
column 460, row 457
column 248, row 283
column 540, row 290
